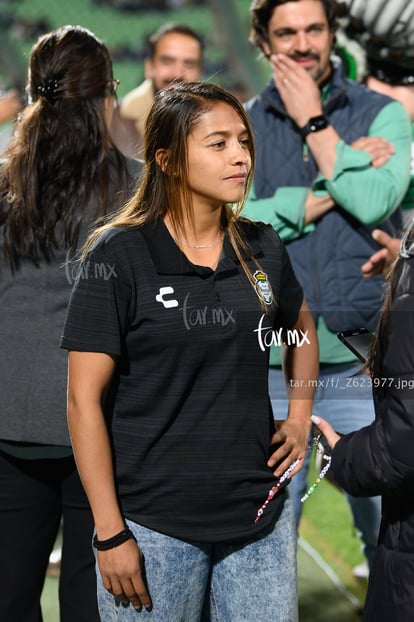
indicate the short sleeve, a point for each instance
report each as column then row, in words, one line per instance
column 290, row 296
column 97, row 314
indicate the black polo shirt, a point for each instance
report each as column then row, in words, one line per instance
column 190, row 419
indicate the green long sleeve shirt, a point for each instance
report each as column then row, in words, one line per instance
column 367, row 193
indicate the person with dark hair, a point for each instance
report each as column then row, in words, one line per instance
column 174, row 53
column 332, row 162
column 60, row 172
column 379, row 459
column 168, row 402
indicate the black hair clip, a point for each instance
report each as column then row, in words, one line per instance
column 48, row 88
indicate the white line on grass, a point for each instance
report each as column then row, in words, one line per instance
column 319, row 561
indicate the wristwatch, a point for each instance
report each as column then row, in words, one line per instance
column 315, row 124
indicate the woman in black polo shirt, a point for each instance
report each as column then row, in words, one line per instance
column 169, row 327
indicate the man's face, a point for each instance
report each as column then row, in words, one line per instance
column 300, row 30
column 177, row 58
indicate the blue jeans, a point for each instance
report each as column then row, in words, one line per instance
column 343, row 398
column 199, row 582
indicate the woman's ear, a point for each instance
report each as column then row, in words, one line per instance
column 161, row 157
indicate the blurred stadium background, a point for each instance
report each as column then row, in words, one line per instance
column 125, row 25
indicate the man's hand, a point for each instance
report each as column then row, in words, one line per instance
column 380, row 261
column 297, row 88
column 379, row 149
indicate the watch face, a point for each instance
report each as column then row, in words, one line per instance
column 317, row 123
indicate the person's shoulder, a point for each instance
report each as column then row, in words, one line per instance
column 381, row 106
column 257, row 102
column 386, row 107
column 357, row 88
column 252, row 103
column 118, row 241
column 141, row 94
column 257, row 232
column 134, row 166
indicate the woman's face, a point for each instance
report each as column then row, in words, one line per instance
column 218, row 158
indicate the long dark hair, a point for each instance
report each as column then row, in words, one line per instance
column 380, row 342
column 59, row 155
column 174, row 113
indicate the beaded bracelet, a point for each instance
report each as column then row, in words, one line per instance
column 322, row 474
column 275, row 489
column 116, row 540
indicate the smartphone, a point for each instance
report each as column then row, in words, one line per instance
column 358, row 341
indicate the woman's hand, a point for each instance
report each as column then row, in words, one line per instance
column 327, row 430
column 122, row 574
column 291, row 439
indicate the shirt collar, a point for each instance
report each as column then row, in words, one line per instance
column 168, row 258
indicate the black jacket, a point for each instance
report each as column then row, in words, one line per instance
column 379, row 460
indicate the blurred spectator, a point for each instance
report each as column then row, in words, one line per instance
column 175, row 53
column 332, row 161
column 379, row 41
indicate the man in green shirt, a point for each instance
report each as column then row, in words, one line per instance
column 332, row 162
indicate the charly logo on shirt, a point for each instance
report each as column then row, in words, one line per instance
column 263, row 288
column 160, row 297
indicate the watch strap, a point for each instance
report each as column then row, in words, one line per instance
column 315, row 124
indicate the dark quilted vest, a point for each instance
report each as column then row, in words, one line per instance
column 328, row 261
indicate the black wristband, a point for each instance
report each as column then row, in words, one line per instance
column 111, row 543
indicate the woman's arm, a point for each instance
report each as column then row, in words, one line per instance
column 301, row 367
column 90, row 374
